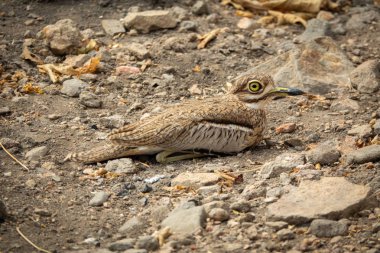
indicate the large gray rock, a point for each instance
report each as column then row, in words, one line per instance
column 363, row 155
column 36, row 153
column 366, row 77
column 325, row 153
column 282, row 163
column 63, row 37
column 328, row 228
column 73, row 87
column 185, row 221
column 112, row 26
column 326, row 198
column 147, row 21
column 317, row 66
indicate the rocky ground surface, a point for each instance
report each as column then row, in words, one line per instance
column 313, row 186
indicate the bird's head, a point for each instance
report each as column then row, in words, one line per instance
column 255, row 89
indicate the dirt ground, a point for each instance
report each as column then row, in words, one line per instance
column 49, row 203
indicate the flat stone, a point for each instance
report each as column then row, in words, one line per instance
column 186, row 221
column 326, row 198
column 277, row 225
column 285, row 234
column 138, row 50
column 218, row 214
column 132, row 226
column 4, row 110
column 215, row 204
column 73, row 87
column 247, row 24
column 315, row 28
column 363, row 155
column 112, row 26
column 328, row 228
column 209, row 190
column 344, row 104
column 255, row 190
column 63, row 37
column 123, row 165
column 188, row 25
column 325, row 153
column 366, row 77
column 200, row 8
column 242, row 206
column 147, row 21
column 147, row 242
column 317, row 66
column 36, row 153
column 361, row 131
column 282, row 163
column 99, row 198
column 90, row 100
column 195, row 180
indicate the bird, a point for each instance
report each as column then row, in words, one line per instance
column 228, row 123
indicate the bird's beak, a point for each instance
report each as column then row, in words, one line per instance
column 283, row 91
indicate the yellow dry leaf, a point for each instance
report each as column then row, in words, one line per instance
column 28, row 55
column 90, row 68
column 245, row 14
column 197, row 68
column 55, row 70
column 206, row 38
column 30, row 89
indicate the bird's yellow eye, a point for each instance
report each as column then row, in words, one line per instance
column 255, row 86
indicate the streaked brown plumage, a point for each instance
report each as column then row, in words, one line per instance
column 227, row 124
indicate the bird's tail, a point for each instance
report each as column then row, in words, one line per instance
column 100, row 154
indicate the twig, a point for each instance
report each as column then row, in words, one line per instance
column 30, row 242
column 14, row 158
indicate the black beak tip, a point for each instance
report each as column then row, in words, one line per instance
column 295, row 92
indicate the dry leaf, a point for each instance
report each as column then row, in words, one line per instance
column 90, row 68
column 197, row 68
column 28, row 55
column 245, row 14
column 206, row 38
column 55, row 70
column 30, row 89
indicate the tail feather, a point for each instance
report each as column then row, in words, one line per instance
column 100, row 154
